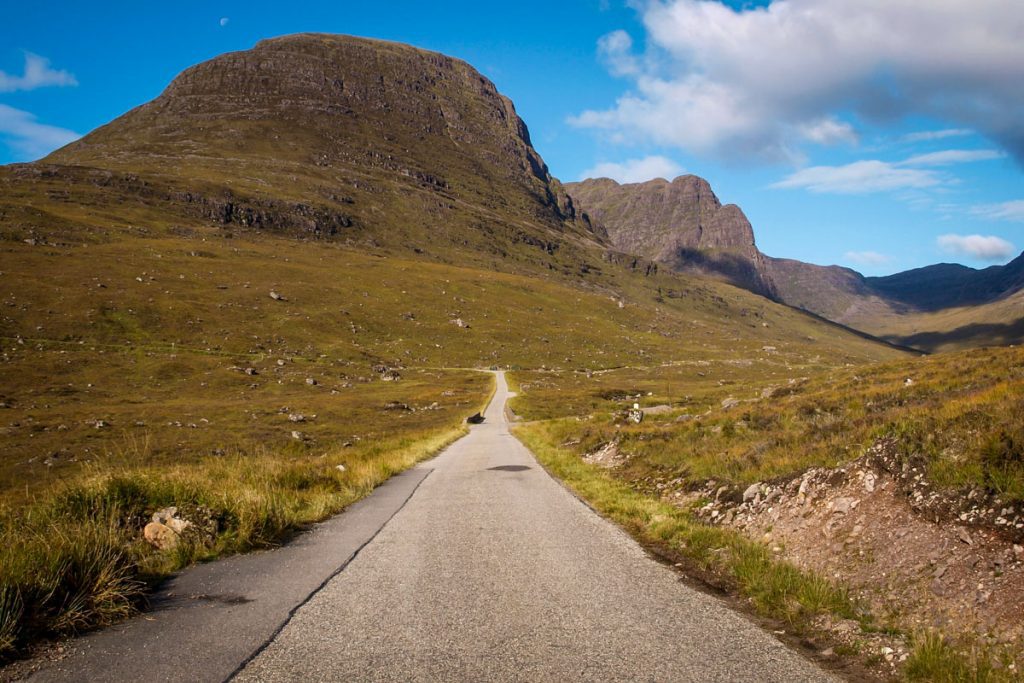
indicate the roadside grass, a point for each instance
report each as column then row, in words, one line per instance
column 934, row 660
column 958, row 414
column 75, row 559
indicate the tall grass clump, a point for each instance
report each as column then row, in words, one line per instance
column 62, row 575
column 935, row 660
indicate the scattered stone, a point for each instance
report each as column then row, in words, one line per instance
column 752, row 492
column 390, row 376
column 311, row 382
column 276, row 297
column 730, row 403
column 251, row 371
column 340, row 468
column 459, row 322
column 843, row 505
column 298, row 436
column 607, row 456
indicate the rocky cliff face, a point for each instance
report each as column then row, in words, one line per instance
column 680, row 223
column 344, row 120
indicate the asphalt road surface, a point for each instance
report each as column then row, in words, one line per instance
column 494, row 572
column 474, row 566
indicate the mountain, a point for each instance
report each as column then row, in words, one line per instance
column 679, row 223
column 335, row 138
column 683, row 225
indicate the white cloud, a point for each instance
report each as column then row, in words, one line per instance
column 872, row 175
column 929, row 135
column 867, row 258
column 990, row 248
column 29, row 138
column 1006, row 211
column 224, row 21
column 953, row 156
column 752, row 82
column 616, row 50
column 635, row 170
column 828, row 131
column 37, row 74
column 860, row 177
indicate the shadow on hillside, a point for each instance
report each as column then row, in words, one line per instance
column 977, row 334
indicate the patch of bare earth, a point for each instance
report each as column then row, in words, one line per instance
column 920, row 558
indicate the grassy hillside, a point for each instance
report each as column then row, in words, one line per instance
column 144, row 333
column 739, row 423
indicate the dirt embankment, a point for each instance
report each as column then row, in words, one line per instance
column 921, row 558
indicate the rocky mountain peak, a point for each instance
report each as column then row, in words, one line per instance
column 314, row 108
column 681, row 223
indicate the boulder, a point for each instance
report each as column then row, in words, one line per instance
column 161, row 536
column 475, row 419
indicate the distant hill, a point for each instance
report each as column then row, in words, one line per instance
column 683, row 225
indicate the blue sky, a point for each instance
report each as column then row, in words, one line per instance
column 878, row 134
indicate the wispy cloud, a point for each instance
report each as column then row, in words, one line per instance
column 867, row 258
column 872, row 175
column 38, row 74
column 980, row 247
column 726, row 82
column 1006, row 211
column 929, row 135
column 27, row 137
column 828, row 131
column 860, row 177
column 224, row 21
column 953, row 156
column 635, row 170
